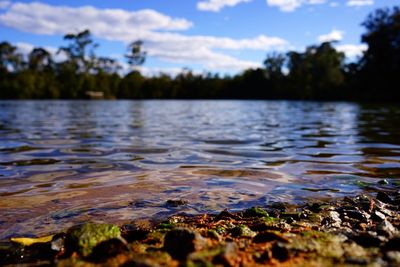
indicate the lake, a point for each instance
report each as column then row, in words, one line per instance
column 64, row 162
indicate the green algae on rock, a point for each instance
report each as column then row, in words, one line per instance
column 83, row 238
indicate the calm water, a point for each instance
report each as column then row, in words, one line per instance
column 63, row 162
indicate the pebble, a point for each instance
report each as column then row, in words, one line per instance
column 386, row 228
column 180, row 242
column 382, row 196
column 269, row 236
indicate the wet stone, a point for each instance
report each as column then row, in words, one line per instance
column 269, row 236
column 108, row 249
column 393, row 257
column 367, row 240
column 58, row 243
column 255, row 212
column 176, row 202
column 83, row 238
column 242, row 231
column 228, row 256
column 356, row 261
column 135, row 232
column 382, row 196
column 361, row 216
column 332, row 220
column 378, row 216
column 280, row 252
column 393, row 244
column 226, row 215
column 139, row 263
column 180, row 242
column 383, row 182
column 386, row 228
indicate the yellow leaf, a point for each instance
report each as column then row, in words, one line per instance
column 27, row 241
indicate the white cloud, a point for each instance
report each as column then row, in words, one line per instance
column 156, row 30
column 333, row 4
column 351, row 50
column 291, row 5
column 217, row 5
column 46, row 19
column 5, row 4
column 334, row 35
column 360, row 2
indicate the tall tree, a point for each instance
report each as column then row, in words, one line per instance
column 80, row 50
column 380, row 65
column 316, row 73
column 136, row 56
column 40, row 59
column 10, row 60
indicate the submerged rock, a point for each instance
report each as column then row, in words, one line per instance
column 83, row 238
column 176, row 202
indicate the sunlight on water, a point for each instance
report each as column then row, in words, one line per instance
column 63, row 162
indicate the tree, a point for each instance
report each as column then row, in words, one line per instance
column 136, row 56
column 380, row 65
column 316, row 73
column 80, row 50
column 39, row 59
column 10, row 60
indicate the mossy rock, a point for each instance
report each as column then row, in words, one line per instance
column 83, row 238
column 255, row 212
column 242, row 231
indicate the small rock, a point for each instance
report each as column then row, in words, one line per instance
column 383, row 182
column 393, row 244
column 367, row 240
column 386, row 228
column 83, row 238
column 382, row 196
column 378, row 216
column 361, row 216
column 134, row 232
column 58, row 243
column 140, row 263
column 264, row 257
column 228, row 256
column 393, row 257
column 242, row 231
column 176, row 202
column 108, row 249
column 280, row 252
column 213, row 234
column 255, row 212
column 332, row 220
column 226, row 215
column 268, row 236
column 356, row 261
column 180, row 242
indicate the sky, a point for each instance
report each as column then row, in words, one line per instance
column 218, row 36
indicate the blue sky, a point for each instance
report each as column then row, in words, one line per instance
column 224, row 36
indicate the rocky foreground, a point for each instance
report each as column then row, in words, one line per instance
column 363, row 230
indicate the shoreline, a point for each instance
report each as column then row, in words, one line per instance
column 361, row 230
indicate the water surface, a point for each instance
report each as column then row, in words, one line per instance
column 64, row 162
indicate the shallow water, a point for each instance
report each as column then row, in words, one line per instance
column 64, row 162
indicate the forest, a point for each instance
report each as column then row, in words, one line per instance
column 319, row 73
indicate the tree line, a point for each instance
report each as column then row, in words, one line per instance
column 319, row 73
